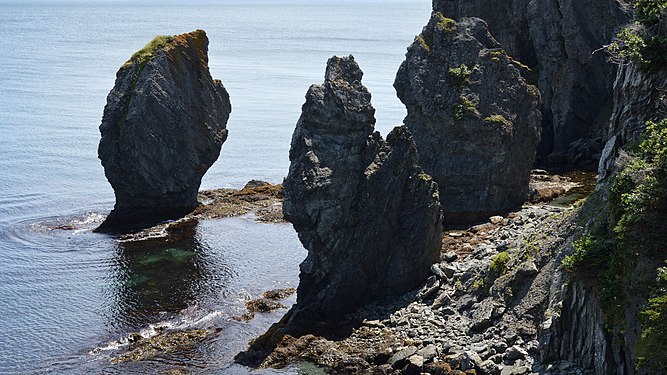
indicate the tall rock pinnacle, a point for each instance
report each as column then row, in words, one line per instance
column 163, row 127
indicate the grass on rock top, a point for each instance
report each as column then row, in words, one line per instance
column 146, row 54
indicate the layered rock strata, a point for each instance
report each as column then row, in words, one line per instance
column 474, row 118
column 562, row 41
column 163, row 127
column 365, row 211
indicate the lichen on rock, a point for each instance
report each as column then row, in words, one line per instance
column 163, row 127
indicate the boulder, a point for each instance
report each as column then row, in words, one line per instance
column 562, row 42
column 163, row 127
column 474, row 118
column 368, row 215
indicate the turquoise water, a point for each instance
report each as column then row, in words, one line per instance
column 68, row 297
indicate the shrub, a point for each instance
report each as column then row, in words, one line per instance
column 461, row 75
column 650, row 348
column 499, row 120
column 649, row 12
column 444, row 23
column 640, row 42
column 498, row 265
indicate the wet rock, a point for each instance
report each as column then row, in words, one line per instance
column 263, row 305
column 147, row 348
column 368, row 215
column 163, row 127
column 474, row 118
column 277, row 294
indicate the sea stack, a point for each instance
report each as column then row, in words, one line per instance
column 368, row 215
column 163, row 127
column 474, row 118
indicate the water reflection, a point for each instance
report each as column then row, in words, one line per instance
column 157, row 278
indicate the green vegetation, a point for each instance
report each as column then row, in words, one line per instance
column 478, row 284
column 424, row 177
column 496, row 55
column 499, row 120
column 498, row 265
column 422, row 43
column 649, row 12
column 138, row 62
column 146, row 54
column 444, row 23
column 650, row 348
column 639, row 42
column 461, row 75
column 624, row 241
column 458, row 112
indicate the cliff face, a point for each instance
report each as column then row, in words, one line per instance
column 474, row 118
column 610, row 315
column 562, row 43
column 368, row 215
column 163, row 127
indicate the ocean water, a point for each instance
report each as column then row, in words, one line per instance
column 69, row 297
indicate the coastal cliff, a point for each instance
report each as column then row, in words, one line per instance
column 562, row 42
column 163, row 127
column 474, row 118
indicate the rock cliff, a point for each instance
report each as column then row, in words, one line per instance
column 365, row 211
column 562, row 42
column 474, row 118
column 163, row 127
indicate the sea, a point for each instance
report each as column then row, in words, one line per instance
column 72, row 300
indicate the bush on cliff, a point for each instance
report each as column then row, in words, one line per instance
column 642, row 42
column 623, row 245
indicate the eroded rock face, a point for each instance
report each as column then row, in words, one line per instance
column 163, row 127
column 367, row 213
column 473, row 117
column 562, row 42
column 639, row 96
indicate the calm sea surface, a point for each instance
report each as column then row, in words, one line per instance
column 70, row 298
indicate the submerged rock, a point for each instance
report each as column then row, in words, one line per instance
column 163, row 127
column 474, row 118
column 367, row 213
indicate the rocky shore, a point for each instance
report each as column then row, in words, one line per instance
column 260, row 198
column 479, row 312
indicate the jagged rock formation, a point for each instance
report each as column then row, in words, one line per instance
column 473, row 117
column 562, row 42
column 367, row 213
column 163, row 127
